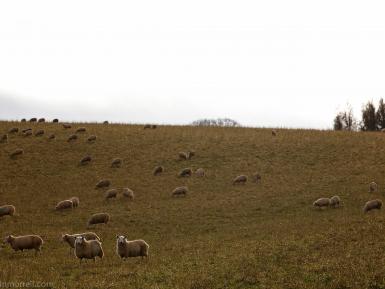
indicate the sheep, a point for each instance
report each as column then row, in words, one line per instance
column 34, row 119
column 75, row 201
column 40, row 132
column 200, row 172
column 91, row 138
column 72, row 137
column 41, row 119
column 187, row 172
column 88, row 249
column 274, row 132
column 371, row 205
column 154, row 126
column 99, row 218
column 63, row 205
column 158, row 170
column 257, row 177
column 373, row 187
column 23, row 120
column 81, row 129
column 51, row 136
column 16, row 153
column 135, row 248
column 66, row 126
column 4, row 138
column 27, row 133
column 322, row 202
column 26, row 129
column 183, row 156
column 335, row 201
column 147, row 126
column 179, row 191
column 70, row 238
column 128, row 193
column 13, row 130
column 242, row 179
column 102, row 184
column 190, row 154
column 85, row 160
column 26, row 242
column 116, row 163
column 55, row 120
column 105, row 122
column 111, row 193
column 7, row 210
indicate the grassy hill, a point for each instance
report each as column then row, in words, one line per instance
column 264, row 235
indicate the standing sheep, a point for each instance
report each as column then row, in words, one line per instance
column 187, row 172
column 26, row 242
column 39, row 132
column 242, row 179
column 75, row 201
column 371, row 205
column 72, row 137
column 4, row 138
column 158, row 170
column 116, row 163
column 373, row 187
column 63, row 205
column 111, row 193
column 13, row 130
column 51, row 137
column 88, row 249
column 200, row 172
column 70, row 239
column 34, row 119
column 81, row 129
column 85, row 160
column 322, row 202
column 102, row 184
column 335, row 201
column 91, row 138
column 99, row 218
column 105, row 122
column 55, row 120
column 23, row 120
column 128, row 193
column 7, row 210
column 41, row 119
column 135, row 248
column 180, row 191
column 16, row 153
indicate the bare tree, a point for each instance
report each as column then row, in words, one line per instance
column 369, row 119
column 380, row 114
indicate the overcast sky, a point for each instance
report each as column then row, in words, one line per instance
column 263, row 63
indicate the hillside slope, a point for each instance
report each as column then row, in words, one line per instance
column 264, row 235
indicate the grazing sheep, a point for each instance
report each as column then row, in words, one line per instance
column 200, row 172
column 70, row 239
column 147, row 126
column 335, row 201
column 27, row 133
column 373, row 187
column 183, row 156
column 274, row 132
column 116, row 163
column 99, row 218
column 179, row 191
column 75, row 201
column 242, row 179
column 26, row 242
column 128, row 193
column 135, row 248
column 23, row 120
column 4, row 138
column 187, row 172
column 322, row 202
column 66, row 126
column 257, row 177
column 16, row 153
column 91, row 138
column 41, row 119
column 373, row 204
column 26, row 129
column 63, row 205
column 88, row 249
column 55, row 120
column 34, row 119
column 105, row 122
column 111, row 193
column 158, row 170
column 13, row 130
column 51, row 136
column 81, row 129
column 7, row 210
column 85, row 160
column 103, row 184
column 40, row 132
column 72, row 137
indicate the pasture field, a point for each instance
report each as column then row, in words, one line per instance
column 264, row 235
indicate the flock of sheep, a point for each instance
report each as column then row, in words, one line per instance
column 88, row 245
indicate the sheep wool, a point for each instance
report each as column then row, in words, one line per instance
column 135, row 248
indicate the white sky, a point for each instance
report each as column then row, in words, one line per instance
column 263, row 63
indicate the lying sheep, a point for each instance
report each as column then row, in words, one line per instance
column 373, row 204
column 180, row 191
column 16, row 153
column 91, row 138
column 200, row 172
column 158, row 170
column 70, row 239
column 116, row 163
column 41, row 119
column 102, row 184
column 373, row 187
column 85, row 160
column 7, row 210
column 66, row 126
column 75, row 201
column 88, row 249
column 63, row 205
column 99, row 218
column 322, row 202
column 111, row 193
column 257, row 177
column 4, row 138
column 187, row 172
column 335, row 201
column 242, row 179
column 135, row 248
column 39, row 132
column 72, row 137
column 13, row 130
column 128, row 193
column 26, row 242
column 51, row 137
column 55, row 120
column 34, row 119
column 81, row 129
column 27, row 133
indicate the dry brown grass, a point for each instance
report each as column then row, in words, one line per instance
column 264, row 235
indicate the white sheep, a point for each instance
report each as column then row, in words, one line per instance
column 88, row 249
column 373, row 187
column 135, row 248
column 128, row 193
column 7, row 210
column 16, row 153
column 70, row 238
column 111, row 193
column 99, row 218
column 116, row 163
column 335, row 201
column 26, row 242
column 322, row 202
column 180, row 191
column 63, row 205
column 242, row 179
column 103, row 184
column 371, row 205
column 75, row 201
column 85, row 160
column 200, row 172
